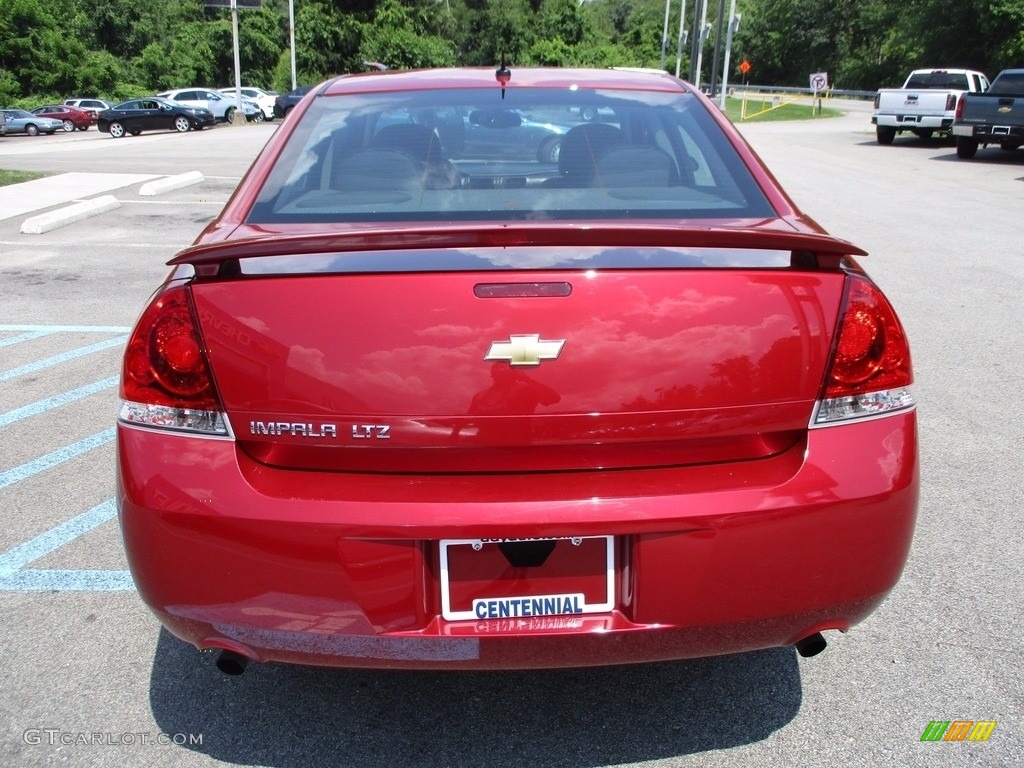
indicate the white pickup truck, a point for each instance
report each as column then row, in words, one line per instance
column 925, row 104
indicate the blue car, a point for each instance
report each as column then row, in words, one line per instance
column 21, row 121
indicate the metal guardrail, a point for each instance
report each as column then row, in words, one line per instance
column 835, row 92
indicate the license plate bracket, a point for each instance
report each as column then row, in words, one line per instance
column 479, row 582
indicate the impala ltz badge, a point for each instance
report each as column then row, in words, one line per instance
column 524, row 349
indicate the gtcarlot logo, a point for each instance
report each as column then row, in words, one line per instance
column 958, row 730
column 56, row 737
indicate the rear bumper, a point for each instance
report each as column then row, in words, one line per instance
column 913, row 122
column 342, row 570
column 989, row 133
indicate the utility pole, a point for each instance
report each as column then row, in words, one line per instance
column 734, row 26
column 700, row 35
column 239, row 117
column 718, row 49
column 664, row 34
column 682, row 36
column 291, row 38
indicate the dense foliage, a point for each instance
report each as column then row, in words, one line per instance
column 122, row 48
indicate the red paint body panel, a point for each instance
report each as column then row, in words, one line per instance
column 660, row 367
column 341, row 569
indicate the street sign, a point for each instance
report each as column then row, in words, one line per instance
column 745, row 66
column 819, row 81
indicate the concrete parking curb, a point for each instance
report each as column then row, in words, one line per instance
column 45, row 222
column 168, row 183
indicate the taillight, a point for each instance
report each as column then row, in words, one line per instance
column 870, row 372
column 951, row 101
column 878, row 100
column 959, row 108
column 165, row 378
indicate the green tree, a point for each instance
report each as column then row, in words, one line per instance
column 401, row 38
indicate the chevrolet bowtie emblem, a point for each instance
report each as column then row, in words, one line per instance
column 524, row 349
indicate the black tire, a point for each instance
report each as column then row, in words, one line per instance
column 966, row 147
column 69, row 127
column 229, row 115
column 1009, row 146
column 885, row 135
column 549, row 150
column 181, row 124
column 83, row 127
column 31, row 129
column 116, row 130
column 135, row 132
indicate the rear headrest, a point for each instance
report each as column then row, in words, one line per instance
column 636, row 167
column 416, row 141
column 582, row 146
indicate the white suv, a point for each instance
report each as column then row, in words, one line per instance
column 222, row 106
column 264, row 99
column 95, row 106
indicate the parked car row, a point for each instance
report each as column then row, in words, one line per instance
column 182, row 109
column 22, row 121
column 957, row 103
column 221, row 105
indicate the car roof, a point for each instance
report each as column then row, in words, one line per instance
column 485, row 77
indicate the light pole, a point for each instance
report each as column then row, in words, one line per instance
column 681, row 41
column 734, row 26
column 664, row 34
column 239, row 117
column 291, row 38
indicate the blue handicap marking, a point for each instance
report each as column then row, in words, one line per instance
column 15, row 573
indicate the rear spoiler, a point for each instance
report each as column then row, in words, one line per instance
column 513, row 236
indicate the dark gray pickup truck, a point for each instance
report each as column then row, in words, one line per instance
column 993, row 117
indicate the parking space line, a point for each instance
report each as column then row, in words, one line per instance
column 56, row 401
column 55, row 538
column 53, row 459
column 67, row 581
column 12, row 577
column 23, row 337
column 67, row 328
column 62, row 358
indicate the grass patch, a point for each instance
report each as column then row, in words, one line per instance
column 759, row 109
column 16, row 177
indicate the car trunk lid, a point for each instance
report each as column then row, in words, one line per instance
column 519, row 370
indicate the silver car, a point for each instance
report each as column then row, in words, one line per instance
column 223, row 107
column 89, row 105
column 264, row 99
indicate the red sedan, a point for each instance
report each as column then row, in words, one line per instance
column 407, row 405
column 72, row 117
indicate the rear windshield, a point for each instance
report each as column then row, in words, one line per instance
column 1008, row 84
column 469, row 154
column 946, row 81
